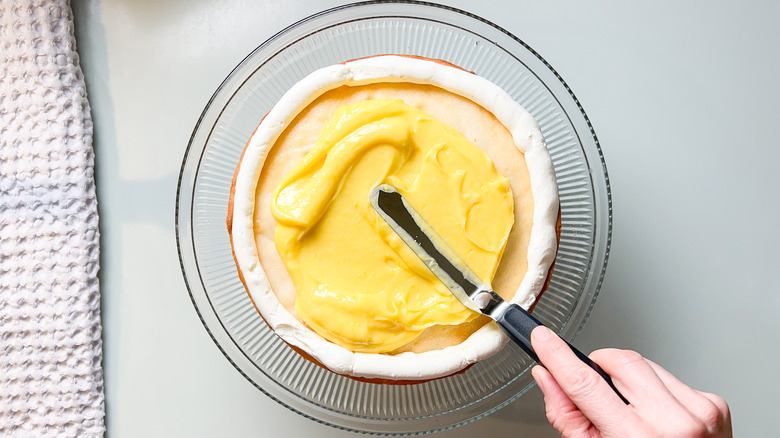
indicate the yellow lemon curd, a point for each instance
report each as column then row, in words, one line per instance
column 356, row 283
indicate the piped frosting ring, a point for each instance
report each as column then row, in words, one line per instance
column 542, row 247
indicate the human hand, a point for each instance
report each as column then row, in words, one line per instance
column 579, row 403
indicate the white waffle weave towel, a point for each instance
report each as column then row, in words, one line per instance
column 51, row 381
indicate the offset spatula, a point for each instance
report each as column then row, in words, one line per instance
column 457, row 277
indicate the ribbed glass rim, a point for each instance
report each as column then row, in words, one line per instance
column 184, row 218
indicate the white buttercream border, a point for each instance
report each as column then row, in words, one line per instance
column 542, row 245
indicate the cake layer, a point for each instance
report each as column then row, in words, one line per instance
column 495, row 123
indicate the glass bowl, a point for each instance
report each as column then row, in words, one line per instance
column 249, row 92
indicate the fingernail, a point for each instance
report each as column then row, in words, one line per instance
column 541, row 333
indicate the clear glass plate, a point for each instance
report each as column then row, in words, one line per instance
column 249, row 92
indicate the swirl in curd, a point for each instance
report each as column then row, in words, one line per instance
column 356, row 283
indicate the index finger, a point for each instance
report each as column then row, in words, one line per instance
column 589, row 391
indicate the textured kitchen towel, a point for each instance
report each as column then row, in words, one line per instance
column 51, row 381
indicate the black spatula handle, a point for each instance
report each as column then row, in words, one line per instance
column 518, row 324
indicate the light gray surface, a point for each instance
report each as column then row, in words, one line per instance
column 684, row 100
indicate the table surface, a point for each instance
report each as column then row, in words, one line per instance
column 684, row 100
